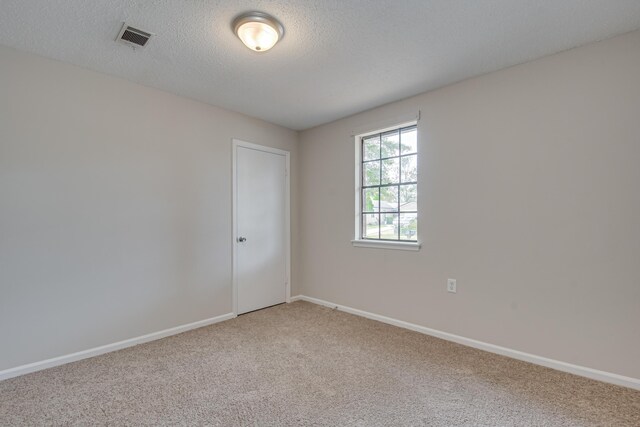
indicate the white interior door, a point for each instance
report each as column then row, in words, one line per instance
column 261, row 227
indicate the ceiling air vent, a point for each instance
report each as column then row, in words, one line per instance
column 133, row 37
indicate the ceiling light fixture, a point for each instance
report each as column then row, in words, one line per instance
column 258, row 31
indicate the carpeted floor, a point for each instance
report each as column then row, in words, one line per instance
column 302, row 364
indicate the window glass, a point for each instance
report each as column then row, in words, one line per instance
column 389, row 196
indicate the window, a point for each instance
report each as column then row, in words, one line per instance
column 387, row 205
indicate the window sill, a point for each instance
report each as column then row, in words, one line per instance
column 402, row 246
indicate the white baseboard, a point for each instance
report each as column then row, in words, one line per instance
column 61, row 360
column 594, row 374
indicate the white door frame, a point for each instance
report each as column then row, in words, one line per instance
column 235, row 143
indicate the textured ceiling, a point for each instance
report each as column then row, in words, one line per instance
column 338, row 57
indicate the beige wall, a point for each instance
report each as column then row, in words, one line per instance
column 115, row 208
column 529, row 196
column 115, row 217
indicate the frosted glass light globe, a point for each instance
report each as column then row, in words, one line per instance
column 258, row 36
column 258, row 31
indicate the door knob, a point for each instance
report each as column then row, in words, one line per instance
column 242, row 239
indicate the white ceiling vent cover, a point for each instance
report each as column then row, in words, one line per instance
column 133, row 37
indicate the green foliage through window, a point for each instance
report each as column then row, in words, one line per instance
column 389, row 197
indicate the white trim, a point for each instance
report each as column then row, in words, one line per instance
column 358, row 188
column 240, row 143
column 287, row 225
column 378, row 126
column 235, row 143
column 96, row 351
column 595, row 374
column 583, row 371
column 385, row 244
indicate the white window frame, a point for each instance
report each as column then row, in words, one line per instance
column 371, row 243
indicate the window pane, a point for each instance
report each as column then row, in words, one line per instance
column 389, row 226
column 371, row 174
column 390, row 171
column 370, row 227
column 409, row 140
column 390, row 144
column 408, row 226
column 410, row 168
column 371, row 200
column 409, row 198
column 371, row 148
column 389, row 199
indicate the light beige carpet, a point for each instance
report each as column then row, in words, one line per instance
column 302, row 364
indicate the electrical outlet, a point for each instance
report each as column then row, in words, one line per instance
column 451, row 285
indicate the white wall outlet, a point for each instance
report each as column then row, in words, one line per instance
column 451, row 285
